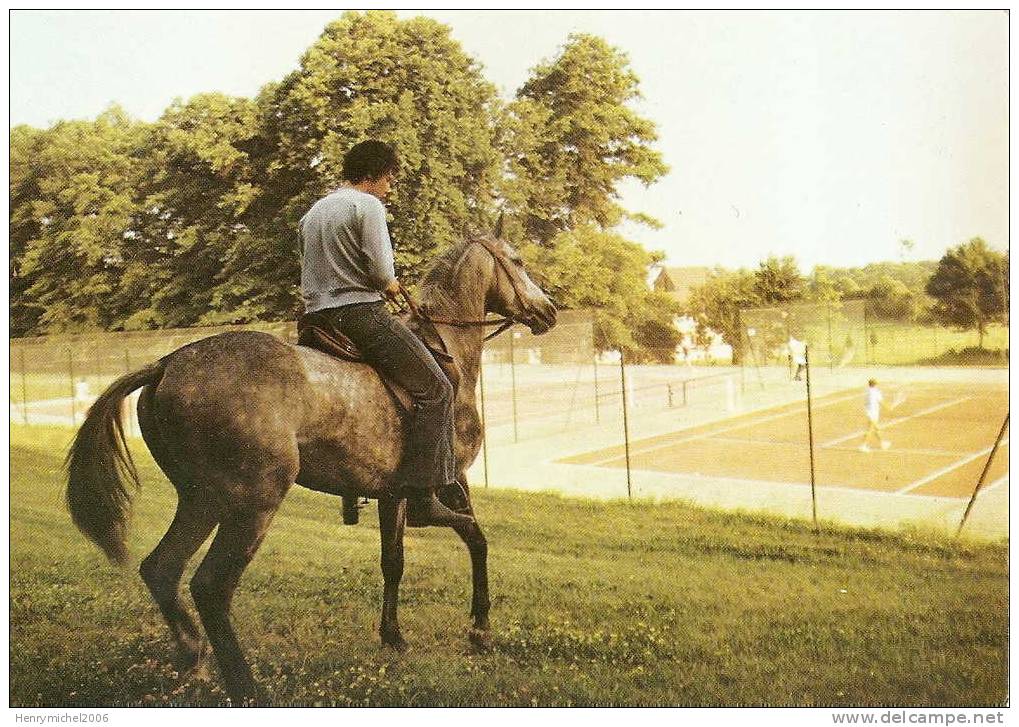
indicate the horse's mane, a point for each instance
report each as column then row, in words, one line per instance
column 437, row 283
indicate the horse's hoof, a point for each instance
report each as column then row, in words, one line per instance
column 191, row 660
column 481, row 639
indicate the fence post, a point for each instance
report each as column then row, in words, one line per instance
column 810, row 436
column 484, row 431
column 513, row 382
column 626, row 425
column 597, row 408
column 24, row 386
column 70, row 371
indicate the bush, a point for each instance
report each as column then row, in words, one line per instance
column 970, row 356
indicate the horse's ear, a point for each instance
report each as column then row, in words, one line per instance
column 498, row 226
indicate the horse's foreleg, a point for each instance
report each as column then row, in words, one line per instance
column 472, row 536
column 392, row 517
column 213, row 586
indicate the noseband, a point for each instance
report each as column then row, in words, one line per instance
column 503, row 323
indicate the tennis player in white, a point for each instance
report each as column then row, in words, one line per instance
column 873, row 411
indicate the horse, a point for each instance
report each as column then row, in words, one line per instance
column 235, row 419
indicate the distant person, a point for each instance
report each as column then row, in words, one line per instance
column 798, row 356
column 872, row 408
column 848, row 352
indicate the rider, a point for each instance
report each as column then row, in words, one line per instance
column 346, row 270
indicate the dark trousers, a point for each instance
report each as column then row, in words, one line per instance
column 391, row 347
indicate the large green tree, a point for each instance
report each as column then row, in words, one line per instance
column 72, row 207
column 572, row 137
column 193, row 213
column 777, row 280
column 970, row 287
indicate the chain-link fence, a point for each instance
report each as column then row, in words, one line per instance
column 561, row 416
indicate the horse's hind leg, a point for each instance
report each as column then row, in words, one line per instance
column 163, row 568
column 213, row 585
column 391, row 523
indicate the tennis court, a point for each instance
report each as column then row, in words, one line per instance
column 940, row 437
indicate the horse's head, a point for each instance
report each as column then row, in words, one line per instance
column 511, row 292
column 485, row 274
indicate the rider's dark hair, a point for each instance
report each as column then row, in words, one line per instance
column 369, row 160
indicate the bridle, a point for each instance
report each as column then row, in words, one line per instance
column 420, row 311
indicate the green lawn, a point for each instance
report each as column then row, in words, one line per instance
column 593, row 604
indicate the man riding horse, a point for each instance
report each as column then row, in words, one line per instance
column 235, row 419
column 346, row 269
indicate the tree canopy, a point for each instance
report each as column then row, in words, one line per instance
column 572, row 136
column 970, row 287
column 192, row 219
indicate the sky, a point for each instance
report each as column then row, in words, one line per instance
column 828, row 136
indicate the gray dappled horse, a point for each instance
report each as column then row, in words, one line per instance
column 234, row 419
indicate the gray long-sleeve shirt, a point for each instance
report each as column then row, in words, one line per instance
column 348, row 256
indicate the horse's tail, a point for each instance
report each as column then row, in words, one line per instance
column 97, row 462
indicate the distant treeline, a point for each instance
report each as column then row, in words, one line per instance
column 191, row 220
column 967, row 289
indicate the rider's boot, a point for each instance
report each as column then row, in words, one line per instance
column 425, row 509
column 454, row 496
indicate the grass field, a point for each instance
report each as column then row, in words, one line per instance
column 593, row 604
column 903, row 343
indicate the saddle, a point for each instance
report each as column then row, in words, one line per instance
column 315, row 331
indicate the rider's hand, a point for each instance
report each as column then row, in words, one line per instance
column 392, row 291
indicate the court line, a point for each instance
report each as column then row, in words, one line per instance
column 893, row 422
column 706, row 435
column 722, row 479
column 900, row 450
column 800, row 445
column 948, row 468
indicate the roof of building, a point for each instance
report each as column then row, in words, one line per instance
column 680, row 281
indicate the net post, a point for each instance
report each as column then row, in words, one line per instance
column 810, row 438
column 626, row 425
column 983, row 475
